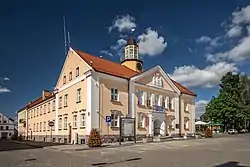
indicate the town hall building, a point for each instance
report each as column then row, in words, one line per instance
column 89, row 88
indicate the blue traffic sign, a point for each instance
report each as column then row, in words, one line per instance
column 108, row 119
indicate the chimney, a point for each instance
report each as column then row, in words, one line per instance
column 45, row 94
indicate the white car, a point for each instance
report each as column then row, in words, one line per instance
column 232, row 131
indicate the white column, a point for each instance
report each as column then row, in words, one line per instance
column 27, row 124
column 131, row 100
column 151, row 125
column 56, row 114
column 163, row 127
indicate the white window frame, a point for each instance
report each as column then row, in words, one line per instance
column 141, row 123
column 115, row 118
column 140, row 97
column 186, row 123
column 185, row 106
column 65, row 123
column 44, row 109
column 83, row 117
column 66, row 100
column 78, row 95
column 75, row 121
column 149, row 99
column 59, row 123
column 60, row 102
column 114, row 94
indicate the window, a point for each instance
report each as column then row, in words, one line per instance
column 37, row 126
column 77, row 71
column 53, row 127
column 60, row 124
column 185, row 107
column 171, row 103
column 114, row 119
column 70, row 76
column 31, row 113
column 44, row 126
column 157, row 100
column 141, row 120
column 41, row 110
column 65, row 123
column 163, row 102
column 48, row 127
column 66, row 100
column 64, row 79
column 34, row 127
column 44, row 109
column 186, row 124
column 78, row 95
column 114, row 94
column 75, row 121
column 48, row 107
column 40, row 126
column 140, row 97
column 60, row 102
column 7, row 127
column 83, row 120
column 1, row 127
column 157, row 81
column 149, row 101
column 54, row 105
column 37, row 110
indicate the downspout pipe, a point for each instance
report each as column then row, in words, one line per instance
column 180, row 116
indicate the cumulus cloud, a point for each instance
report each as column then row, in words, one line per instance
column 4, row 90
column 239, row 53
column 208, row 77
column 235, row 31
column 123, row 23
column 106, row 53
column 150, row 43
column 118, row 47
column 200, row 107
column 241, row 16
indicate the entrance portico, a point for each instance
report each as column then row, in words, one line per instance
column 157, row 123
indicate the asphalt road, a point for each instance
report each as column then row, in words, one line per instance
column 232, row 151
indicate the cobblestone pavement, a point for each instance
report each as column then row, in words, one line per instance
column 232, row 151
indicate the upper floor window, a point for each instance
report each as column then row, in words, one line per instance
column 149, row 99
column 54, row 105
column 7, row 127
column 60, row 102
column 44, row 109
column 164, row 103
column 64, row 79
column 70, row 75
column 77, row 71
column 41, row 110
column 157, row 81
column 140, row 97
column 37, row 112
column 114, row 94
column 48, row 107
column 171, row 103
column 185, row 106
column 78, row 95
column 157, row 100
column 66, row 100
column 44, row 126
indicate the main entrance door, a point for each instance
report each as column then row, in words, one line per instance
column 157, row 127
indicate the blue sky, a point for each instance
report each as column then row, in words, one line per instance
column 195, row 42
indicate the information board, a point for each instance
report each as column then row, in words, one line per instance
column 127, row 127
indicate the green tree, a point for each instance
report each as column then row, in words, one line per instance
column 231, row 105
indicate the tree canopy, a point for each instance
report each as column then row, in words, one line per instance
column 231, row 106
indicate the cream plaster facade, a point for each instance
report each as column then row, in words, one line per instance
column 84, row 97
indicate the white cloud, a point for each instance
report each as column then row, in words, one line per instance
column 150, row 43
column 208, row 77
column 106, row 53
column 4, row 90
column 118, row 47
column 242, row 16
column 235, row 31
column 200, row 107
column 239, row 53
column 204, row 39
column 123, row 23
column 6, row 79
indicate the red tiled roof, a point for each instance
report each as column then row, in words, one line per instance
column 183, row 89
column 108, row 67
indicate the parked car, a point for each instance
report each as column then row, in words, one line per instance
column 232, row 131
column 243, row 131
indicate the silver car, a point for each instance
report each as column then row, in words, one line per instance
column 232, row 131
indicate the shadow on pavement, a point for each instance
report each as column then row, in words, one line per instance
column 230, row 164
column 102, row 164
column 9, row 145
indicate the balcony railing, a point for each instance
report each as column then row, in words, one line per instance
column 122, row 58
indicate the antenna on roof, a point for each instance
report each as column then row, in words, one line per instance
column 65, row 36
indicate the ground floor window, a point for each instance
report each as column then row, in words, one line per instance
column 115, row 115
column 141, row 120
